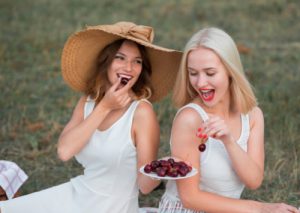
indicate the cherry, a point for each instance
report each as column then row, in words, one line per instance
column 161, row 171
column 172, row 173
column 183, row 170
column 124, row 81
column 154, row 164
column 148, row 168
column 168, row 167
column 171, row 161
column 202, row 147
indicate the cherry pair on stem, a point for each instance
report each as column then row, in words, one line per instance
column 203, row 139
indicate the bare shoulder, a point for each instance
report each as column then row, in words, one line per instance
column 188, row 117
column 78, row 111
column 256, row 115
column 144, row 109
column 81, row 102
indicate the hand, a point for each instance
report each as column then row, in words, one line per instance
column 116, row 98
column 278, row 208
column 217, row 128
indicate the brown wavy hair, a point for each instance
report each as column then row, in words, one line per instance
column 98, row 82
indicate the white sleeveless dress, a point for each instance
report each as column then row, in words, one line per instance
column 109, row 182
column 217, row 173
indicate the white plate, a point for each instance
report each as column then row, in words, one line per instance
column 154, row 175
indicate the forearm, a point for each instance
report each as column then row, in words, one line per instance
column 205, row 201
column 74, row 139
column 245, row 167
column 147, row 184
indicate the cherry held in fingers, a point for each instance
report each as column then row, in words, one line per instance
column 124, row 81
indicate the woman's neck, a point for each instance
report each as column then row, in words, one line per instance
column 221, row 109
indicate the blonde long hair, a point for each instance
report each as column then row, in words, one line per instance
column 242, row 96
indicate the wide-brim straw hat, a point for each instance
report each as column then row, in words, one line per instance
column 80, row 53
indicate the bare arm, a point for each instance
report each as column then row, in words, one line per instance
column 146, row 137
column 184, row 146
column 253, row 159
column 78, row 130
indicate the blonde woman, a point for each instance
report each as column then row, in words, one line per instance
column 219, row 129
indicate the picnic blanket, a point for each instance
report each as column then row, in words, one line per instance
column 11, row 177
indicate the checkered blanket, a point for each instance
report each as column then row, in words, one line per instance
column 11, row 177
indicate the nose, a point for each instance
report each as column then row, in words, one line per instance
column 201, row 81
column 128, row 66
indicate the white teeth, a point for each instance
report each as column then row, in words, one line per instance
column 125, row 76
column 205, row 91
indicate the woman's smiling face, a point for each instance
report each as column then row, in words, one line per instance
column 208, row 76
column 127, row 64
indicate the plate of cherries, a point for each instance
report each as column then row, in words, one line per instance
column 168, row 169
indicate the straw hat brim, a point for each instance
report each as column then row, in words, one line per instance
column 80, row 53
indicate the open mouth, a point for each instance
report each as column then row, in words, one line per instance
column 124, row 78
column 207, row 94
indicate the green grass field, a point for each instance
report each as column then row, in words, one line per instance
column 35, row 103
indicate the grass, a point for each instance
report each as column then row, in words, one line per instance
column 36, row 103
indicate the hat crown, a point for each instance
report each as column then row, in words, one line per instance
column 128, row 29
column 80, row 55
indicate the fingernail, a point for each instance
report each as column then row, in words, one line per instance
column 199, row 129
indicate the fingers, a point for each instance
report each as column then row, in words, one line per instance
column 293, row 209
column 214, row 127
column 125, row 88
column 116, row 98
column 280, row 207
column 116, row 85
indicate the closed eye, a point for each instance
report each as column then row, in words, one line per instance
column 210, row 74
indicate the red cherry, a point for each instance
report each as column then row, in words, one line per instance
column 183, row 170
column 172, row 173
column 171, row 161
column 202, row 147
column 124, row 81
column 154, row 164
column 160, row 171
column 148, row 168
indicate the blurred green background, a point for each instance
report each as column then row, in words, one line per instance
column 35, row 103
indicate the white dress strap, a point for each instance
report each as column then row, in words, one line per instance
column 88, row 107
column 196, row 107
column 243, row 140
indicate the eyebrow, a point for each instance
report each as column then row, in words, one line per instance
column 205, row 69
column 138, row 57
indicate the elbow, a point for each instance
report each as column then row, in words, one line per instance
column 186, row 201
column 63, row 154
column 148, row 187
column 145, row 190
column 255, row 184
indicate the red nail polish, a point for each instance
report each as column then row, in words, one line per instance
column 199, row 129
